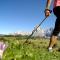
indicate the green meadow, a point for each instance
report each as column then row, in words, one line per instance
column 35, row 49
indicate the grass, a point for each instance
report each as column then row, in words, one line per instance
column 37, row 50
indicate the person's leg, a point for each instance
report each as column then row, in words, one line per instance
column 53, row 39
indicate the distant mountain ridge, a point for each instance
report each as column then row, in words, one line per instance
column 38, row 33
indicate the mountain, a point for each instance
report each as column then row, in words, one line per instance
column 48, row 32
column 20, row 33
column 39, row 32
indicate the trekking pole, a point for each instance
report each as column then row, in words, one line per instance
column 35, row 29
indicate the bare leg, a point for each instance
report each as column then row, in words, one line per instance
column 53, row 41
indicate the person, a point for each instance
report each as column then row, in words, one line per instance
column 56, row 11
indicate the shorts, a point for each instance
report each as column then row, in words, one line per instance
column 56, row 30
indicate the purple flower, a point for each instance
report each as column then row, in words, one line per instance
column 3, row 46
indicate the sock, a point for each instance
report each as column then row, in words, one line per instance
column 50, row 48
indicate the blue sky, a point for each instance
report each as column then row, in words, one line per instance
column 23, row 15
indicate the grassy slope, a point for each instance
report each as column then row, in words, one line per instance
column 37, row 50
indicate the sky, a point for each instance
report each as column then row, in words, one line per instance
column 23, row 15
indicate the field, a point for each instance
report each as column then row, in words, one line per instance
column 35, row 50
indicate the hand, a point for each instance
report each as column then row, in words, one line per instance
column 47, row 13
